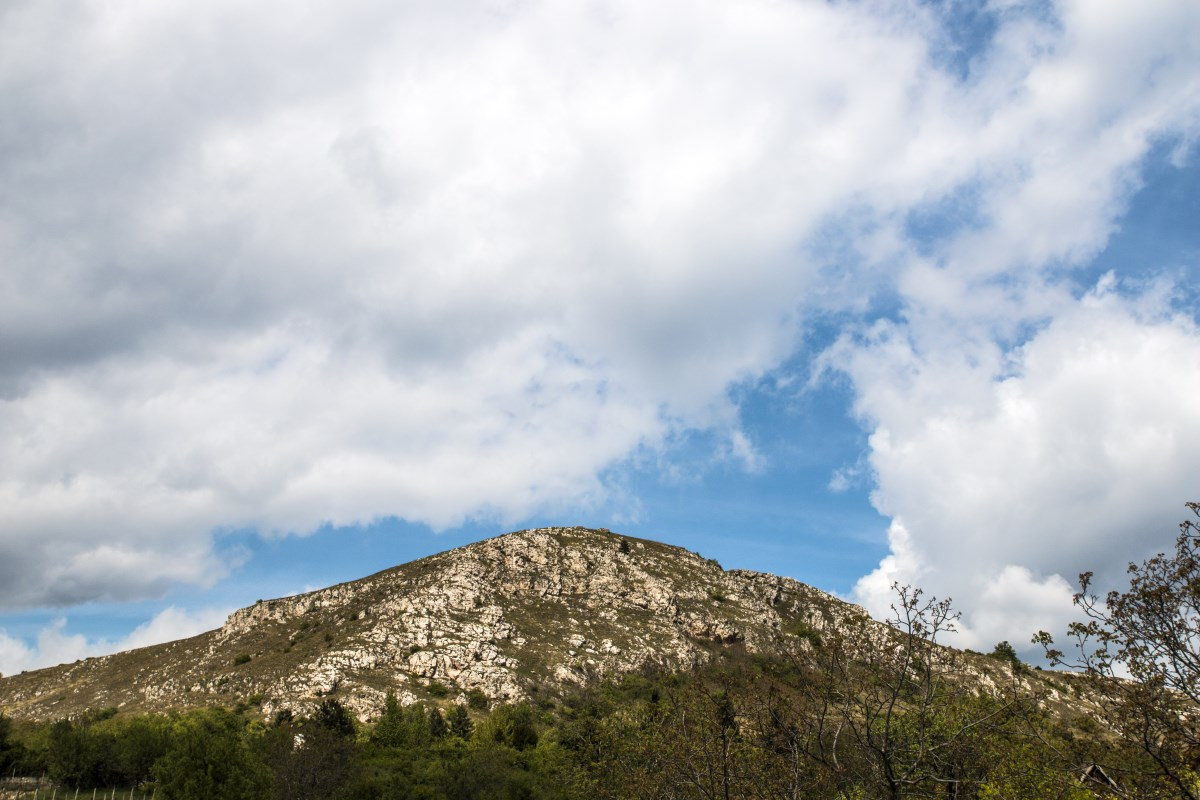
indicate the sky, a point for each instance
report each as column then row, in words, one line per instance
column 854, row 292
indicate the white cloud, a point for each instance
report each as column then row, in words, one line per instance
column 14, row 654
column 1074, row 452
column 901, row 566
column 444, row 261
column 55, row 646
column 173, row 623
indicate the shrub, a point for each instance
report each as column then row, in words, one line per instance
column 802, row 630
column 1004, row 651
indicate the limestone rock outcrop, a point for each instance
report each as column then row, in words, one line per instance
column 535, row 611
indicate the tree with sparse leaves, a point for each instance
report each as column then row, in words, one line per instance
column 1142, row 649
column 891, row 711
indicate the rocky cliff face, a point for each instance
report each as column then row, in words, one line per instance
column 530, row 612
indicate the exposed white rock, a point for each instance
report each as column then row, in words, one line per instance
column 547, row 607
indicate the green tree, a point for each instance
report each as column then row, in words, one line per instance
column 437, row 724
column 400, row 726
column 334, row 717
column 389, row 728
column 618, row 743
column 140, row 742
column 6, row 747
column 79, row 756
column 701, row 750
column 313, row 765
column 511, row 725
column 208, row 757
column 1003, row 651
column 18, row 755
column 460, row 722
column 489, row 773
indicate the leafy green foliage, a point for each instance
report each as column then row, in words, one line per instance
column 512, row 726
column 809, row 726
column 5, row 745
column 140, row 743
column 335, row 718
column 438, row 728
column 805, row 632
column 76, row 758
column 460, row 722
column 401, row 727
column 307, row 762
column 208, row 757
column 477, row 700
column 13, row 753
column 1003, row 651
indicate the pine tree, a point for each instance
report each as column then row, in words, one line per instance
column 437, row 724
column 460, row 723
column 334, row 717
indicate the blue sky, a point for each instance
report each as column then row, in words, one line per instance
column 851, row 292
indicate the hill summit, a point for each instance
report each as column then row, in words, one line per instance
column 536, row 611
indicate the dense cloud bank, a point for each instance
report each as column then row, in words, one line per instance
column 1006, row 476
column 442, row 261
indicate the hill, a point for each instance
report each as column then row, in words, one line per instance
column 652, row 672
column 536, row 611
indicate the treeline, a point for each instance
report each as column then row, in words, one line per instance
column 744, row 727
column 417, row 751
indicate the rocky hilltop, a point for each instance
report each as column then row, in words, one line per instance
column 536, row 611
